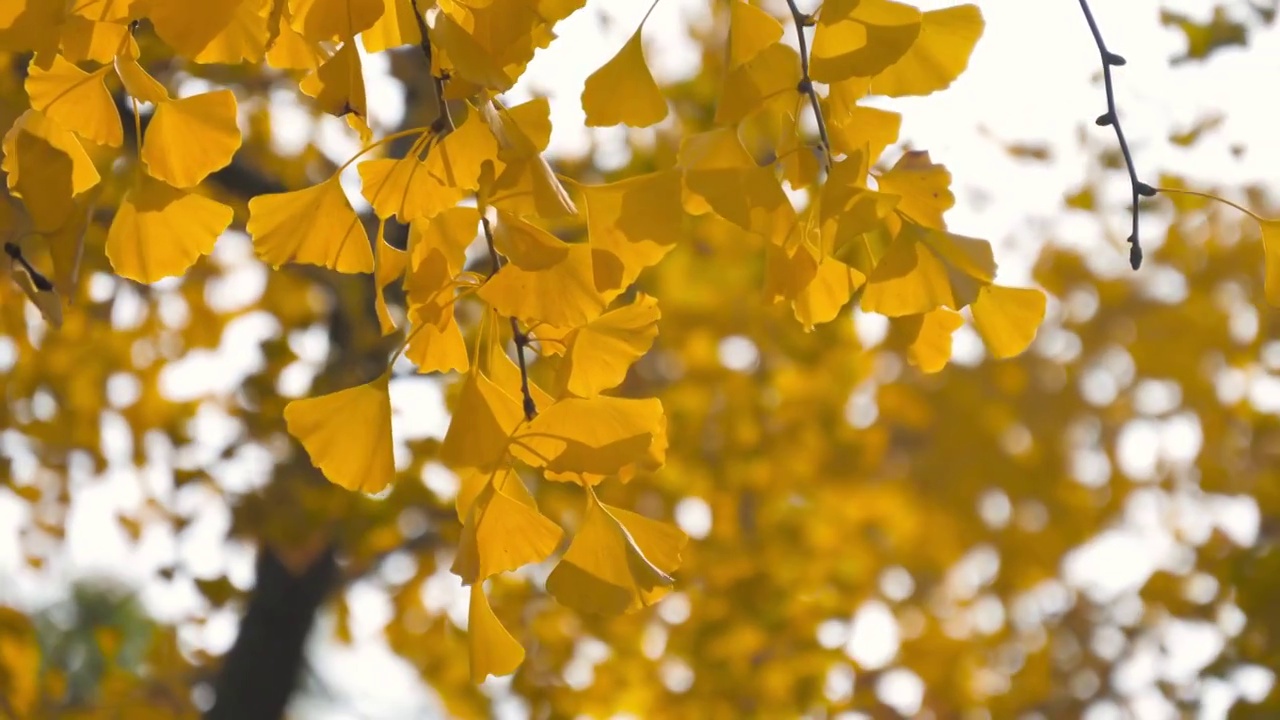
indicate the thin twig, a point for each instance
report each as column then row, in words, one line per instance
column 443, row 120
column 1112, row 118
column 803, row 21
column 520, row 338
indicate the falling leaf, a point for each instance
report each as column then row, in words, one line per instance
column 623, row 91
column 76, row 100
column 348, row 434
column 160, row 231
column 190, row 138
column 315, row 225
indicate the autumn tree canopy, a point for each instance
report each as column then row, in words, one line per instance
column 209, row 313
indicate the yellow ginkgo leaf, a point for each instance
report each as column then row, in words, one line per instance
column 435, row 339
column 751, row 29
column 527, row 185
column 291, row 51
column 924, row 269
column 493, row 650
column 320, row 20
column 719, row 171
column 1007, row 318
column 42, row 174
column 138, row 82
column 1271, row 251
column 451, row 232
column 485, row 416
column 470, row 60
column 774, row 71
column 160, row 231
column 83, row 174
column 389, row 266
column 863, row 129
column 92, row 40
column 608, row 570
column 315, row 225
column 338, row 84
column 925, row 188
column 926, row 338
column 826, row 294
column 501, row 533
column 632, row 224
column 623, row 91
column 459, row 158
column 860, row 38
column 216, row 31
column 192, row 137
column 76, row 100
column 938, row 56
column 395, row 28
column 547, row 280
column 405, row 189
column 598, row 435
column 30, row 26
column 348, row 434
column 601, row 351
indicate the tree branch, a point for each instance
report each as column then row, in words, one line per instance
column 803, row 21
column 1112, row 118
column 519, row 336
column 443, row 120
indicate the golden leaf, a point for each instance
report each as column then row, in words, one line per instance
column 76, row 100
column 315, row 225
column 190, row 138
column 348, row 434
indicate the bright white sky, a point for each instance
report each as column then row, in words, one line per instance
column 1030, row 80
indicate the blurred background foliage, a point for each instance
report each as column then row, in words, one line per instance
column 1087, row 530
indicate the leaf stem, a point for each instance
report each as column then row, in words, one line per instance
column 520, row 338
column 1111, row 117
column 380, row 142
column 443, row 120
column 806, row 83
column 1209, row 196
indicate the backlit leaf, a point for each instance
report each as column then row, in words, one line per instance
column 501, row 534
column 160, row 231
column 315, row 225
column 861, row 38
column 348, row 434
column 939, row 55
column 623, row 91
column 320, row 20
column 1007, row 318
column 601, row 351
column 77, row 100
column 192, row 137
column 926, row 338
column 493, row 650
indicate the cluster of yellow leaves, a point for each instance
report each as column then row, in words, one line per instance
column 477, row 175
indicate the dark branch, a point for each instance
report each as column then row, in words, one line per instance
column 803, row 21
column 444, row 123
column 519, row 336
column 1112, row 118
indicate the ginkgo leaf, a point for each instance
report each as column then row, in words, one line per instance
column 483, row 420
column 458, row 160
column 214, row 31
column 138, row 82
column 632, row 224
column 42, row 175
column 1007, row 318
column 84, row 39
column 597, row 435
column 528, row 185
column 938, row 56
column 772, row 72
column 600, row 352
column 451, row 232
column 192, row 137
column 501, row 534
column 720, row 171
column 320, row 20
column 825, row 295
column 493, row 650
column 30, row 26
column 405, row 189
column 83, row 175
column 315, row 225
column 751, row 29
column 860, row 38
column 925, row 188
column 396, row 27
column 389, row 265
column 290, row 51
column 546, row 280
column 924, row 269
column 160, row 231
column 926, row 338
column 435, row 340
column 338, row 84
column 470, row 59
column 607, row 571
column 76, row 100
column 864, row 129
column 623, row 91
column 348, row 434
